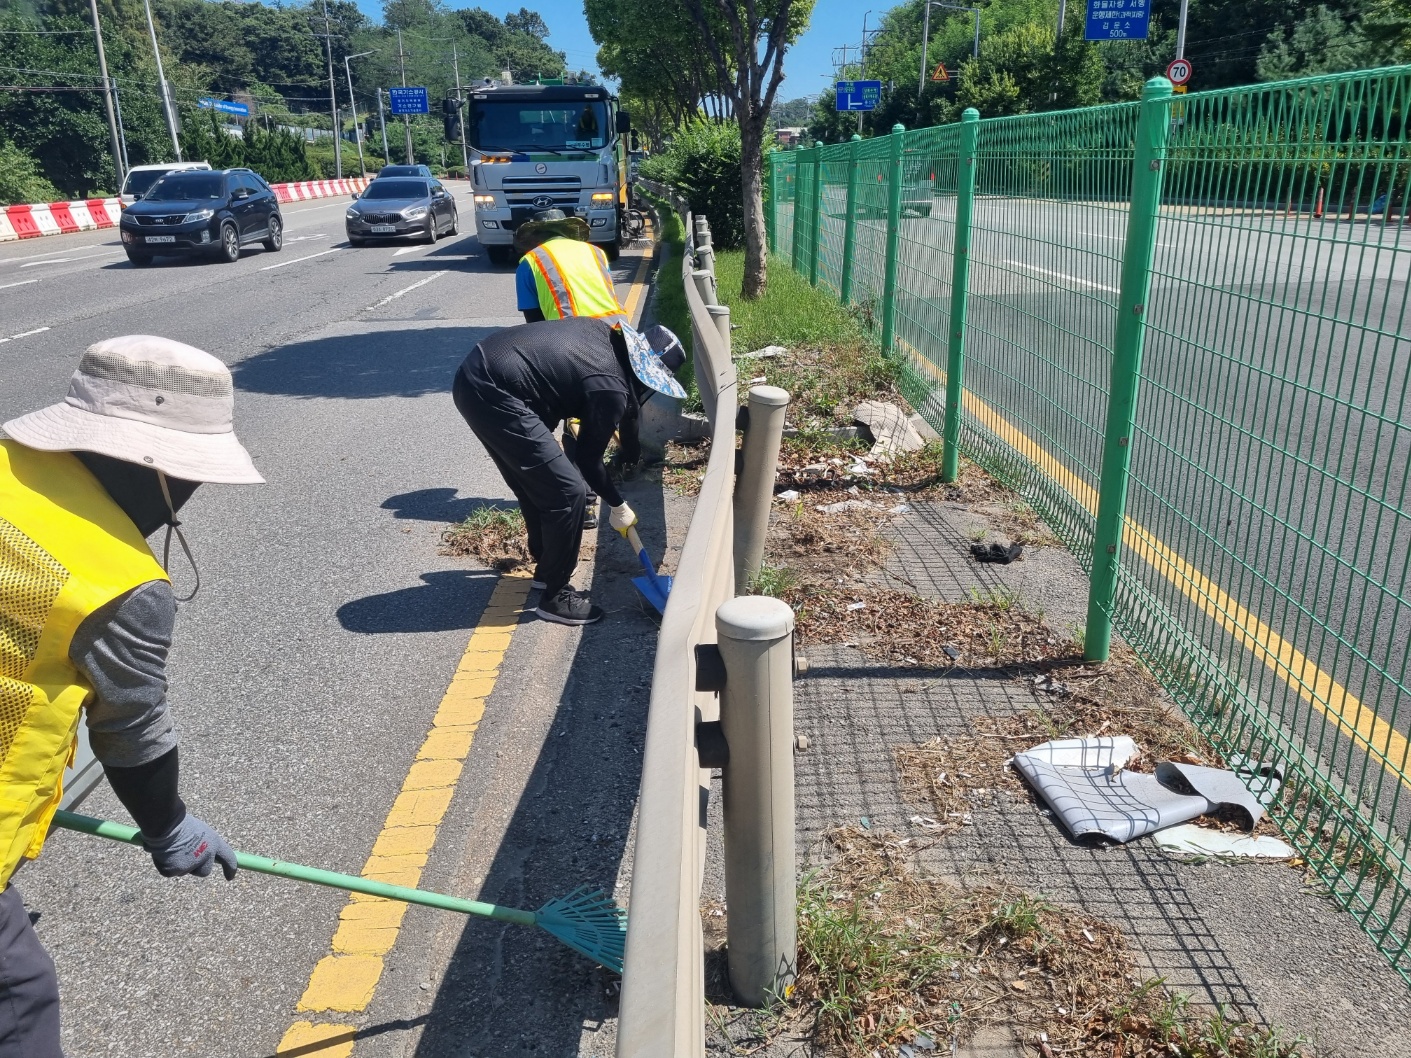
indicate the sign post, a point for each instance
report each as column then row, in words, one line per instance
column 1118, row 20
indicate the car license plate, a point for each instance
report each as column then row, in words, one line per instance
column 384, row 229
column 161, row 238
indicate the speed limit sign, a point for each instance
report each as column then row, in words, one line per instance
column 1179, row 72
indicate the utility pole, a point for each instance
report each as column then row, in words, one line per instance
column 862, row 66
column 460, row 97
column 406, row 119
column 352, row 102
column 333, row 96
column 122, row 136
column 1181, row 30
column 382, row 124
column 168, row 109
column 926, row 38
column 118, row 165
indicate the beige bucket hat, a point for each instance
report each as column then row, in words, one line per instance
column 149, row 401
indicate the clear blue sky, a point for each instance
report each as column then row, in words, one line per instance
column 808, row 68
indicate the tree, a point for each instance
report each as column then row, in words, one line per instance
column 747, row 40
column 20, row 178
column 527, row 22
column 1323, row 42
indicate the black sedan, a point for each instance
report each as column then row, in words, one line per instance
column 397, row 206
column 202, row 212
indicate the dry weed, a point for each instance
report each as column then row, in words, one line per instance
column 494, row 535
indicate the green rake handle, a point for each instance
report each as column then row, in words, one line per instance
column 102, row 828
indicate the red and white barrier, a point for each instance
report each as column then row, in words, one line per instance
column 60, row 218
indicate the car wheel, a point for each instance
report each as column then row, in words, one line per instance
column 353, row 240
column 431, row 231
column 455, row 228
column 229, row 251
column 276, row 234
column 141, row 260
column 499, row 255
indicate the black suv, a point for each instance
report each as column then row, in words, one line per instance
column 212, row 212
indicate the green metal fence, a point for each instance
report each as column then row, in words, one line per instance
column 1180, row 328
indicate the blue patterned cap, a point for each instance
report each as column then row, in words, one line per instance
column 647, row 366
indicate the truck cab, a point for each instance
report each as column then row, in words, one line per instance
column 546, row 146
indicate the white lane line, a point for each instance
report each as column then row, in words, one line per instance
column 408, row 249
column 1064, row 275
column 22, row 283
column 57, row 260
column 296, row 260
column 65, row 260
column 36, row 256
column 406, row 290
column 1123, row 238
column 304, row 238
column 24, row 334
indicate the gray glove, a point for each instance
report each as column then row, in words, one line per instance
column 191, row 847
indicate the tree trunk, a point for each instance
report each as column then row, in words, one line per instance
column 752, row 187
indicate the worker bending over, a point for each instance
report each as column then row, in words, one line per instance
column 562, row 275
column 518, row 385
column 86, row 619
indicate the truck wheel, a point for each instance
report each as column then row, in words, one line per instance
column 499, row 255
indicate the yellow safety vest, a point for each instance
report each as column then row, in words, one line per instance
column 66, row 549
column 572, row 279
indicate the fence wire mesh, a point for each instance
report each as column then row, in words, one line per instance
column 1266, row 546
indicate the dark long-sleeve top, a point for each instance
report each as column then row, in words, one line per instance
column 571, row 369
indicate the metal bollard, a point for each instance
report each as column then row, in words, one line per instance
column 705, row 258
column 754, row 488
column 721, row 315
column 705, row 285
column 755, row 636
column 702, row 232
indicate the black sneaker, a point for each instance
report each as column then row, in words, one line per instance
column 569, row 607
column 590, row 513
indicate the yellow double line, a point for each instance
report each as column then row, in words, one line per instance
column 1351, row 716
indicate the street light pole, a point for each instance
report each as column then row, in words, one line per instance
column 108, row 96
column 333, row 96
column 382, row 124
column 348, row 69
column 406, row 119
column 926, row 37
column 1181, row 30
column 465, row 150
column 168, row 111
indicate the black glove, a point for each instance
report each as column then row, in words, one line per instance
column 190, row 847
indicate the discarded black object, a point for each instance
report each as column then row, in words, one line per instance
column 1004, row 554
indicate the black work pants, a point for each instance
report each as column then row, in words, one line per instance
column 551, row 492
column 29, row 987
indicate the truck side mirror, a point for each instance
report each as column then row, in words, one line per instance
column 624, row 122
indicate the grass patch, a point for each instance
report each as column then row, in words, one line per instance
column 494, row 535
column 776, row 581
column 888, row 957
column 669, row 294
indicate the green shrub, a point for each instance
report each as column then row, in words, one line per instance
column 703, row 164
column 20, row 179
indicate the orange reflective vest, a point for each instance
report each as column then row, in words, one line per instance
column 66, row 549
column 572, row 279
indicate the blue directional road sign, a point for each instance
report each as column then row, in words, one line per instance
column 409, row 101
column 225, row 106
column 1118, row 20
column 858, row 95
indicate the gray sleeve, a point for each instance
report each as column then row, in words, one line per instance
column 122, row 649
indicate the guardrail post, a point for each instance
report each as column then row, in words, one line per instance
column 850, row 223
column 889, row 284
column 754, row 487
column 815, row 228
column 705, row 284
column 1153, row 129
column 721, row 315
column 755, row 636
column 959, row 291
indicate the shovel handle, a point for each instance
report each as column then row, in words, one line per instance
column 103, row 828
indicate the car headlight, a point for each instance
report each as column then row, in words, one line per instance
column 351, row 214
column 484, row 202
column 415, row 213
column 198, row 215
column 603, row 198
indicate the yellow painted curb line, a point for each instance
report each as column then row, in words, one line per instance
column 345, row 980
column 1360, row 723
column 639, row 282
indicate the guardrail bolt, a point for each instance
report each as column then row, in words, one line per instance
column 755, row 634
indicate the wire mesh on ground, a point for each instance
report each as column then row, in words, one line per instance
column 1266, row 540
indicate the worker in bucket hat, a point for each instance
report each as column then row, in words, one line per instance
column 514, row 390
column 86, row 620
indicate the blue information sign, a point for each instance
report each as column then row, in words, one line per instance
column 858, row 95
column 225, row 106
column 409, row 101
column 1118, row 19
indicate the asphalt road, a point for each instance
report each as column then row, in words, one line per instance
column 1273, row 431
column 306, row 672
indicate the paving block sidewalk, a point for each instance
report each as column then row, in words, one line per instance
column 1253, row 937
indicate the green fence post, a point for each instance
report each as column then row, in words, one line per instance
column 959, row 289
column 796, row 249
column 816, row 226
column 1153, row 127
column 771, row 186
column 850, row 223
column 889, row 284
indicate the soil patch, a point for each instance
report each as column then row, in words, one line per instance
column 494, row 535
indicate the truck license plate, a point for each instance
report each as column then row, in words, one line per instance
column 384, row 229
column 161, row 238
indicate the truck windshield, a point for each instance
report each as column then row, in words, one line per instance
column 555, row 125
column 186, row 187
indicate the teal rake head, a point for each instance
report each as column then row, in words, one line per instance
column 590, row 922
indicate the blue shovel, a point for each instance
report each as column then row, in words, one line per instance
column 653, row 587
